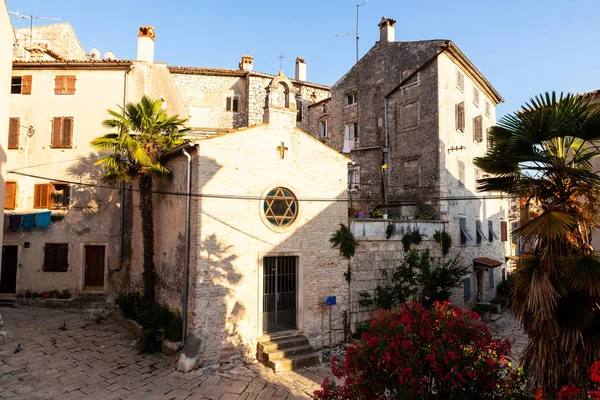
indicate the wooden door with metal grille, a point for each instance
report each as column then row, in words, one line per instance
column 8, row 271
column 94, row 267
column 279, row 293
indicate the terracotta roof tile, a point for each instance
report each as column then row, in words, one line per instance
column 486, row 262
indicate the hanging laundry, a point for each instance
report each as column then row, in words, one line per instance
column 14, row 222
column 28, row 221
column 43, row 219
column 346, row 148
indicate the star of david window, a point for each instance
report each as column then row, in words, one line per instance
column 280, row 207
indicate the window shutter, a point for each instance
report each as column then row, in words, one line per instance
column 503, row 231
column 70, row 84
column 235, row 104
column 49, row 257
column 58, row 84
column 467, row 289
column 67, row 132
column 56, row 131
column 228, row 104
column 40, row 195
column 26, row 84
column 10, row 195
column 460, row 117
column 461, row 174
column 14, row 130
column 478, row 129
column 62, row 257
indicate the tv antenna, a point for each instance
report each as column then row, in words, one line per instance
column 355, row 34
column 281, row 57
column 31, row 17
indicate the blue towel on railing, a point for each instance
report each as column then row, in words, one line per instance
column 43, row 219
column 14, row 222
column 28, row 221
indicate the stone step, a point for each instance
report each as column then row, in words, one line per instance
column 294, row 362
column 7, row 303
column 286, row 352
column 273, row 344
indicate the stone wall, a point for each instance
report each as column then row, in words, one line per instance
column 59, row 38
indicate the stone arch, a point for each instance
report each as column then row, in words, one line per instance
column 289, row 93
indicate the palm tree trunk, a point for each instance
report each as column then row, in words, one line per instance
column 147, row 214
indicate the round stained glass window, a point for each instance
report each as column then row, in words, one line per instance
column 280, row 207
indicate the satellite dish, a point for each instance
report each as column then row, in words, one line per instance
column 109, row 55
column 95, row 54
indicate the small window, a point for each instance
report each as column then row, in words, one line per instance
column 14, row 132
column 353, row 179
column 467, row 289
column 56, row 257
column 20, row 84
column 323, row 129
column 492, row 278
column 480, row 235
column 10, row 195
column 464, row 233
column 488, row 108
column 461, row 174
column 232, row 104
column 299, row 108
column 55, row 196
column 64, row 84
column 460, row 80
column 351, row 99
column 280, row 207
column 478, row 129
column 460, row 117
column 503, row 231
column 62, row 133
column 351, row 131
column 475, row 96
column 491, row 234
column 325, row 109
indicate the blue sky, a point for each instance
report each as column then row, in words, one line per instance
column 523, row 47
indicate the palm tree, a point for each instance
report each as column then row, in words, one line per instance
column 543, row 153
column 143, row 133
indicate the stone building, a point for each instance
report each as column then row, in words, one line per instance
column 64, row 231
column 261, row 216
column 48, row 42
column 412, row 116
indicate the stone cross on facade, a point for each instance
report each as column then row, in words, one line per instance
column 282, row 150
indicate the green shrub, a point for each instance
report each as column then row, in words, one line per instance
column 362, row 327
column 409, row 238
column 444, row 239
column 344, row 238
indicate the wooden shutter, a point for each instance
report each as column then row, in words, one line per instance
column 67, row 132
column 10, row 195
column 492, row 278
column 228, row 104
column 70, row 84
column 56, row 257
column 460, row 117
column 461, row 174
column 41, row 195
column 59, row 84
column 503, row 231
column 478, row 129
column 467, row 289
column 26, row 84
column 56, row 131
column 14, row 130
column 62, row 257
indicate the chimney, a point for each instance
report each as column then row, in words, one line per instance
column 300, row 69
column 387, row 32
column 145, row 50
column 247, row 63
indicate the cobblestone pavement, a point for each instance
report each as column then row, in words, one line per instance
column 508, row 327
column 95, row 359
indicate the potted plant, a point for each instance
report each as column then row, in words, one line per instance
column 377, row 214
column 45, row 295
column 351, row 212
column 360, row 214
column 66, row 294
column 28, row 293
column 35, row 295
column 54, row 294
column 484, row 311
column 385, row 214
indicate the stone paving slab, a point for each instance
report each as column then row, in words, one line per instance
column 95, row 358
column 508, row 327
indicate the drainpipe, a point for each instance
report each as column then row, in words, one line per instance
column 186, row 266
column 386, row 150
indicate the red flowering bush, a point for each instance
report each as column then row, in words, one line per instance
column 420, row 353
column 573, row 392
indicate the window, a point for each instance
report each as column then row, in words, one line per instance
column 353, row 179
column 475, row 96
column 478, row 129
column 351, row 99
column 20, row 84
column 488, row 108
column 232, row 104
column 461, row 174
column 299, row 108
column 280, row 207
column 14, row 131
column 323, row 129
column 504, row 231
column 460, row 117
column 64, row 84
column 56, row 257
column 467, row 289
column 10, row 195
column 460, row 80
column 351, row 131
column 62, row 133
column 491, row 278
column 54, row 196
column 491, row 234
column 464, row 233
column 480, row 235
column 490, row 141
column 325, row 109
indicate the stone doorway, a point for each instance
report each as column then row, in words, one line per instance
column 280, row 281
